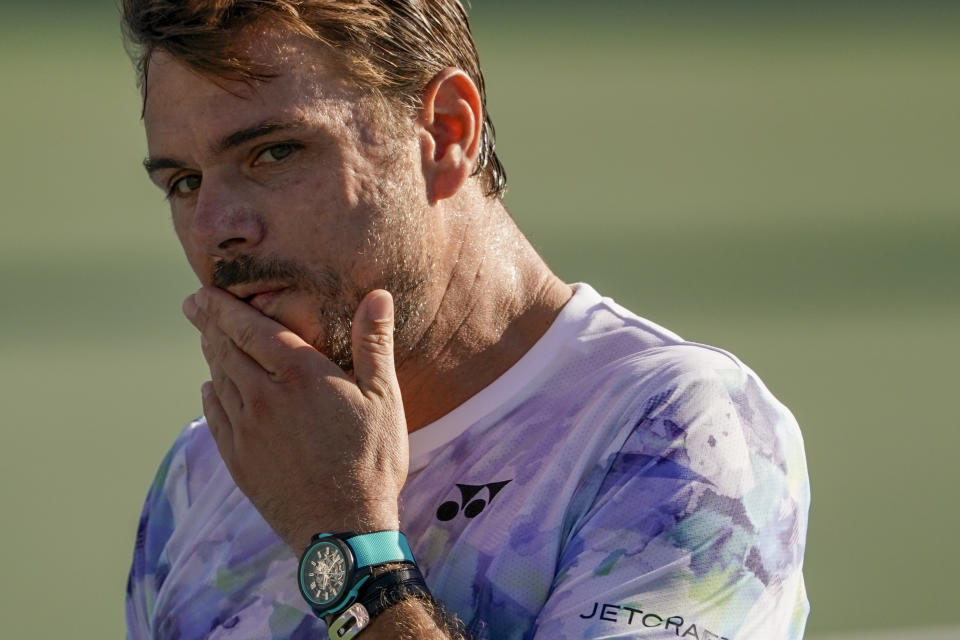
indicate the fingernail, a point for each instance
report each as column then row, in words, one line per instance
column 201, row 298
column 380, row 307
column 190, row 307
column 206, row 388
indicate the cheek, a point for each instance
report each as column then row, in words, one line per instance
column 180, row 225
column 200, row 263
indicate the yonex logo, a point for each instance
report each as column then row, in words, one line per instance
column 471, row 505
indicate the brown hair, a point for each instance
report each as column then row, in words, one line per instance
column 393, row 47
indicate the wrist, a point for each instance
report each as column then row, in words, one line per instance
column 350, row 516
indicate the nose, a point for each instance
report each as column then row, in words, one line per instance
column 225, row 223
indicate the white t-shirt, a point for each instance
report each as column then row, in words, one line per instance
column 617, row 481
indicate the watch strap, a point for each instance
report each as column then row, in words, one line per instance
column 379, row 547
column 378, row 595
column 391, row 587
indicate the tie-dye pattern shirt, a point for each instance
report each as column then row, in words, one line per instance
column 616, row 482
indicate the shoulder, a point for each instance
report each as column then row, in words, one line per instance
column 169, row 493
column 705, row 411
column 186, row 471
column 652, row 394
column 164, row 507
column 613, row 342
column 712, row 455
column 192, row 454
column 671, row 393
column 699, row 432
column 710, row 398
column 192, row 574
column 678, row 384
column 675, row 380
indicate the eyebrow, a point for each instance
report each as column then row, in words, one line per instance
column 228, row 142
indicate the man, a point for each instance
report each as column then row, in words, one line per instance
column 501, row 455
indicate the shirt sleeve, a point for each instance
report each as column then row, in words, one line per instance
column 698, row 528
column 150, row 565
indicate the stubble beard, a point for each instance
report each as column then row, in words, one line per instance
column 338, row 301
column 336, row 316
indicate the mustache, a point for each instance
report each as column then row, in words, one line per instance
column 245, row 269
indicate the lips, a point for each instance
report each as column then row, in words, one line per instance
column 260, row 301
column 258, row 295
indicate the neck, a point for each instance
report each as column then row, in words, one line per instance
column 494, row 302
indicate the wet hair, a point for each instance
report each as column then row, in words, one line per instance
column 392, row 48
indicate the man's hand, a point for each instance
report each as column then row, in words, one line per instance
column 313, row 449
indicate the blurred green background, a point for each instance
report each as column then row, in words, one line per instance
column 776, row 179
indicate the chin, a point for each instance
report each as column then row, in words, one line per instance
column 333, row 341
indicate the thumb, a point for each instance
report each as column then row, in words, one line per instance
column 372, row 336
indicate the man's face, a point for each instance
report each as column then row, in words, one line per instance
column 288, row 194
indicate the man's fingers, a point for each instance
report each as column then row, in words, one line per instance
column 372, row 335
column 217, row 420
column 192, row 311
column 229, row 395
column 268, row 342
column 229, row 363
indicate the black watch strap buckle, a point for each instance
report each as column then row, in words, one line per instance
column 376, row 596
column 387, row 589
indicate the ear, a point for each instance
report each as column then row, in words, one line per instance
column 451, row 126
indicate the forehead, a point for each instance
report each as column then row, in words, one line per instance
column 183, row 101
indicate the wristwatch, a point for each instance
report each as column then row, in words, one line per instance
column 336, row 575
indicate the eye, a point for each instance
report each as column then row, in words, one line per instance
column 276, row 153
column 185, row 185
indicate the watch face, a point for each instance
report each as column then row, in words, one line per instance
column 323, row 573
